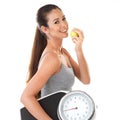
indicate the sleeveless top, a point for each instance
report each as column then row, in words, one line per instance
column 63, row 80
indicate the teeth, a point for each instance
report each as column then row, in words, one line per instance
column 64, row 31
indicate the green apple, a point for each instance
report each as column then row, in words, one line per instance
column 74, row 34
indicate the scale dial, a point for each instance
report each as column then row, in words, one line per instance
column 76, row 105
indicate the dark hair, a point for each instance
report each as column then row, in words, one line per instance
column 40, row 40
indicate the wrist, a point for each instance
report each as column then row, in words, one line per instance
column 78, row 48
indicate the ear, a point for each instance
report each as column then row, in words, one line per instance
column 44, row 29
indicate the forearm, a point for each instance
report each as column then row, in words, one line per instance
column 35, row 108
column 83, row 67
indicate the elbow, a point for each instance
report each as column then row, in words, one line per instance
column 86, row 81
column 22, row 98
column 25, row 98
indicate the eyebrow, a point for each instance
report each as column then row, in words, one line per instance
column 58, row 18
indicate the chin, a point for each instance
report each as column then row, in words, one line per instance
column 66, row 35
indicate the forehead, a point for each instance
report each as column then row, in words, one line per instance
column 55, row 14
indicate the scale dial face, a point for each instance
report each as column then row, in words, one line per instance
column 76, row 105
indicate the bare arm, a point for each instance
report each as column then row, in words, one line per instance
column 36, row 84
column 81, row 68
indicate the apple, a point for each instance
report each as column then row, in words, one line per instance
column 74, row 34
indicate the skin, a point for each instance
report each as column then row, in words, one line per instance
column 57, row 30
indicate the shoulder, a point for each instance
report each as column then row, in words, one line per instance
column 51, row 55
column 50, row 60
column 66, row 52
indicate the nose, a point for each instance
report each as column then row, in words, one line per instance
column 64, row 24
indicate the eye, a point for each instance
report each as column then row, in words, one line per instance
column 64, row 18
column 56, row 22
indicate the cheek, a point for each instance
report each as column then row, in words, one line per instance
column 55, row 30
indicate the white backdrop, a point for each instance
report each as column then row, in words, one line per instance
column 100, row 21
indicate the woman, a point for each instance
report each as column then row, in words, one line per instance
column 51, row 67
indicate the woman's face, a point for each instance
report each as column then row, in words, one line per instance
column 58, row 26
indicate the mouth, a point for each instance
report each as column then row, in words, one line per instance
column 64, row 31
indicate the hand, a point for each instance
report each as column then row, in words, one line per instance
column 78, row 40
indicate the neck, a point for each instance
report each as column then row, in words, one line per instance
column 55, row 45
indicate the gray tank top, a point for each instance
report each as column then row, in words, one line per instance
column 63, row 80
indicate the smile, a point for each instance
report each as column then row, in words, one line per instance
column 64, row 31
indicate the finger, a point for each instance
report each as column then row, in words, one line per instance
column 80, row 32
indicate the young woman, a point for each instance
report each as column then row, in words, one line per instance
column 51, row 67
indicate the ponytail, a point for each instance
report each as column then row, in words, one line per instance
column 40, row 42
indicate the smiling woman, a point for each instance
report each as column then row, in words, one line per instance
column 100, row 21
column 51, row 67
